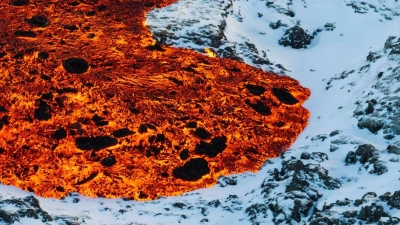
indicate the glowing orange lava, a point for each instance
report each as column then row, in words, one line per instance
column 89, row 102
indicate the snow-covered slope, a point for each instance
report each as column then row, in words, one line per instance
column 343, row 169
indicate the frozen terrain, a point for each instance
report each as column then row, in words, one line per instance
column 343, row 169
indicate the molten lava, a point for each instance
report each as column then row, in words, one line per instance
column 90, row 102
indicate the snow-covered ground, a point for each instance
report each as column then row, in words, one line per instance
column 335, row 173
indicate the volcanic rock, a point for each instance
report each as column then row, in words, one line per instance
column 296, row 37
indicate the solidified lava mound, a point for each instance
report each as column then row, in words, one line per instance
column 91, row 103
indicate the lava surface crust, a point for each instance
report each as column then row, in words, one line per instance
column 91, row 103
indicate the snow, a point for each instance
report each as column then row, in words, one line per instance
column 330, row 53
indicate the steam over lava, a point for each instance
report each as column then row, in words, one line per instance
column 89, row 102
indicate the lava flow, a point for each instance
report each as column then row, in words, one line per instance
column 91, row 103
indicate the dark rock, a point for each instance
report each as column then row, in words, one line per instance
column 60, row 134
column 122, row 133
column 296, row 37
column 294, row 165
column 379, row 168
column 179, row 205
column 19, row 2
column 256, row 210
column 43, row 111
column 184, row 154
column 334, row 133
column 358, row 202
column 214, row 203
column 217, row 146
column 366, row 152
column 385, row 197
column 394, row 200
column 296, row 215
column 371, row 124
column 373, row 56
column 351, row 158
column 276, row 25
column 259, row 107
column 394, row 148
column 192, row 170
column 8, row 218
column 370, row 109
column 95, row 143
column 350, row 214
column 369, row 195
column 390, row 221
column 108, row 161
column 284, row 96
column 371, row 213
column 38, row 21
column 75, row 65
column 227, row 181
column 255, row 89
column 305, row 156
column 25, row 33
column 298, row 183
column 202, row 133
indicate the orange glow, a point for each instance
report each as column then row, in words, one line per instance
column 90, row 102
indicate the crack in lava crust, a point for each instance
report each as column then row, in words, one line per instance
column 90, row 103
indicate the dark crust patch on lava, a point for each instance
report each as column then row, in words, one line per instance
column 284, row 96
column 192, row 170
column 255, row 89
column 95, row 143
column 19, row 2
column 259, row 107
column 75, row 65
column 217, row 146
column 108, row 161
column 123, row 132
column 38, row 21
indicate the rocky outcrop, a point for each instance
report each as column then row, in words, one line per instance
column 296, row 37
